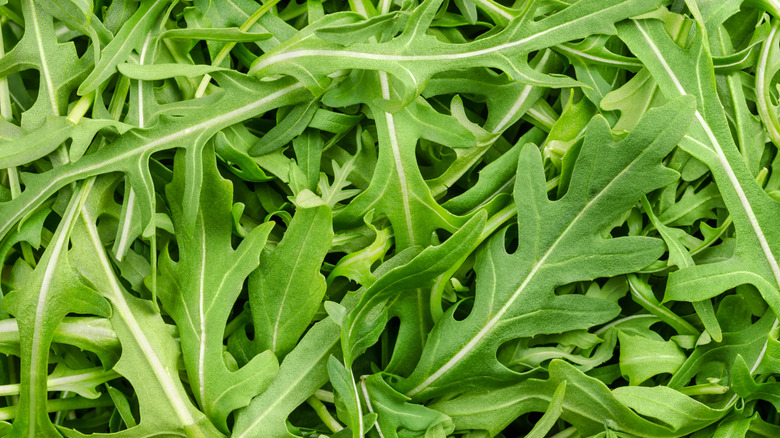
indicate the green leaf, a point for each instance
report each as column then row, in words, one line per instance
column 344, row 385
column 397, row 188
column 365, row 322
column 642, row 358
column 52, row 292
column 588, row 405
column 312, row 59
column 397, row 417
column 303, row 371
column 130, row 37
column 688, row 71
column 59, row 66
column 668, row 406
column 149, row 351
column 286, row 290
column 200, row 289
column 551, row 415
column 189, row 129
column 567, row 246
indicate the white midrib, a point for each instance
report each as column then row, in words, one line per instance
column 135, row 26
column 367, row 398
column 62, row 383
column 44, row 62
column 724, row 163
column 202, row 314
column 280, row 396
column 147, row 149
column 43, row 297
column 124, row 239
column 642, row 359
column 399, row 165
column 600, row 59
column 416, row 58
column 515, row 107
column 490, row 5
column 123, row 310
column 760, row 358
column 734, row 183
column 492, row 322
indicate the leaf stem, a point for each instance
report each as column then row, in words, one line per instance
column 81, row 108
column 11, row 15
column 325, row 396
column 229, row 46
column 567, row 433
column 762, row 81
column 644, row 297
column 62, row 404
column 5, row 94
column 704, row 389
column 97, row 375
column 322, row 411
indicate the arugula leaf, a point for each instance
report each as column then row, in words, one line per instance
column 679, row 72
column 356, row 218
column 626, row 170
column 199, row 291
column 149, row 352
column 37, row 317
column 285, row 292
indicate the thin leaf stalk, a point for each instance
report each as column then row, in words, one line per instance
column 223, row 53
column 58, row 383
column 62, row 404
column 648, row 302
column 322, row 411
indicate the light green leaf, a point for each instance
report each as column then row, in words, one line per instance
column 522, row 303
column 200, row 289
column 642, row 358
column 287, row 288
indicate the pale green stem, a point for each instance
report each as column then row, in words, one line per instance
column 384, row 6
column 322, row 411
column 13, row 376
column 704, row 389
column 325, row 396
column 81, row 108
column 59, row 383
column 5, row 94
column 59, row 417
column 761, row 81
column 567, row 433
column 223, row 53
column 13, row 16
column 62, row 404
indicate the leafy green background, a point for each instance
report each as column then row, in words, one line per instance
column 419, row 218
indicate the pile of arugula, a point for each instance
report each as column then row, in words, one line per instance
column 418, row 218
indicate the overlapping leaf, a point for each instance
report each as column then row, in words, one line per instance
column 200, row 289
column 559, row 242
column 413, row 57
column 689, row 71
